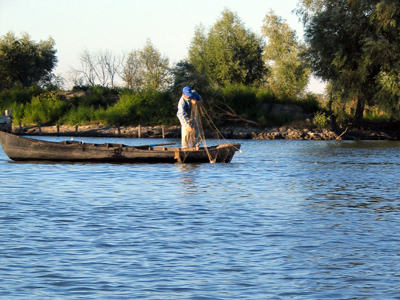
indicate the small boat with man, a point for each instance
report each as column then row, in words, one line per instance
column 26, row 149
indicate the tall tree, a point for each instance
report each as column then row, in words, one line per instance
column 289, row 74
column 355, row 45
column 24, row 61
column 131, row 73
column 228, row 53
column 384, row 47
column 146, row 69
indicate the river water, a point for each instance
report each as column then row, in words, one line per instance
column 283, row 220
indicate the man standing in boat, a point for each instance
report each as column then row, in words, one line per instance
column 187, row 115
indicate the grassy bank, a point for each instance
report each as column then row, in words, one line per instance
column 122, row 106
column 233, row 104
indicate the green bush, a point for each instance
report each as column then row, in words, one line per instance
column 309, row 104
column 376, row 115
column 45, row 108
column 266, row 96
column 243, row 100
column 81, row 115
column 96, row 96
column 125, row 107
column 18, row 94
column 249, row 101
column 147, row 108
column 321, row 120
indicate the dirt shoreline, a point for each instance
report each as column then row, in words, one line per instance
column 230, row 132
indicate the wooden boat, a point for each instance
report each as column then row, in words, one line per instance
column 25, row 149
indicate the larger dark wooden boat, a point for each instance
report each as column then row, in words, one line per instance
column 25, row 149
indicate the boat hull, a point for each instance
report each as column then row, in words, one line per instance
column 24, row 149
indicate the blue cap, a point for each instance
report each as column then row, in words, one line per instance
column 187, row 91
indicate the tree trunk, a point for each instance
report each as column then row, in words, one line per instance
column 331, row 116
column 359, row 110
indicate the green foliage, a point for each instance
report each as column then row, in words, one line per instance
column 25, row 61
column 356, row 45
column 146, row 69
column 376, row 115
column 250, row 103
column 321, row 120
column 99, row 97
column 149, row 107
column 83, row 115
column 288, row 73
column 96, row 96
column 310, row 103
column 243, row 100
column 96, row 106
column 81, row 87
column 45, row 108
column 18, row 94
column 184, row 74
column 388, row 94
column 228, row 53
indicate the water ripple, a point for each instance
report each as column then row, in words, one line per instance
column 284, row 220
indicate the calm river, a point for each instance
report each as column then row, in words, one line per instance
column 283, row 220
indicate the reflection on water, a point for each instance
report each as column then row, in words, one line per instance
column 284, row 220
column 187, row 178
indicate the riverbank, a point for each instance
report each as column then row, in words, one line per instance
column 231, row 132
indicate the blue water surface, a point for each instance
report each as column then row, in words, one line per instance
column 283, row 220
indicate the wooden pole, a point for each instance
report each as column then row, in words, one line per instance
column 20, row 127
column 76, row 130
column 119, row 129
column 139, row 131
column 40, row 128
column 58, row 130
column 163, row 135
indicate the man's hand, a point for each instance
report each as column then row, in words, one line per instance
column 190, row 129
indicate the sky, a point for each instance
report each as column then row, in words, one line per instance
column 121, row 26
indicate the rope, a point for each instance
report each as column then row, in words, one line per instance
column 201, row 135
column 197, row 135
column 207, row 116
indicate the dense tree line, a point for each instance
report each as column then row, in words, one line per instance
column 352, row 44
